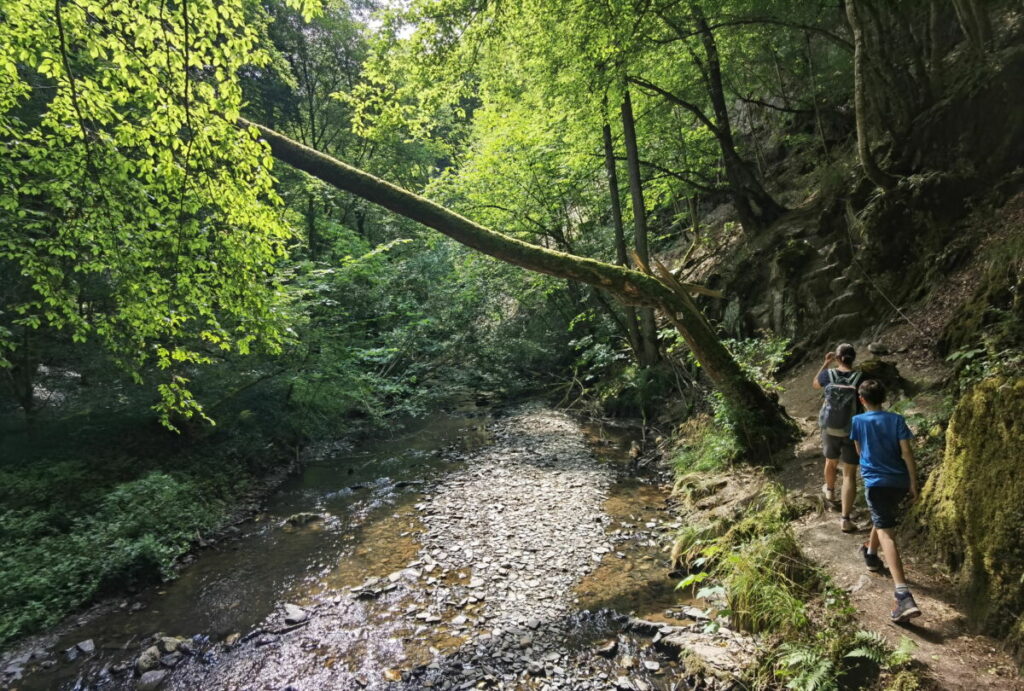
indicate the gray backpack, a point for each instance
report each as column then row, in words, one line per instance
column 840, row 403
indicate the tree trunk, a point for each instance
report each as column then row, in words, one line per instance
column 632, row 328
column 974, row 23
column 766, row 426
column 875, row 174
column 648, row 327
column 741, row 176
column 312, row 239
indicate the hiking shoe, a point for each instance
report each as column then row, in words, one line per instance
column 848, row 526
column 870, row 560
column 830, row 494
column 905, row 608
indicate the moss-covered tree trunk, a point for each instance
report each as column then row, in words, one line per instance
column 765, row 425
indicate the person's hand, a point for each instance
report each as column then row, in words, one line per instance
column 912, row 494
column 830, row 357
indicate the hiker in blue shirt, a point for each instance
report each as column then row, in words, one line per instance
column 839, row 381
column 887, row 465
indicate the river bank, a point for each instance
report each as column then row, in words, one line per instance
column 526, row 557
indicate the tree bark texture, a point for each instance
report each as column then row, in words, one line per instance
column 768, row 427
column 648, row 327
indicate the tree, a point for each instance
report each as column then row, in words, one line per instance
column 764, row 424
column 132, row 212
column 867, row 159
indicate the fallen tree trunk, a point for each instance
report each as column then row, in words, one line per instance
column 764, row 426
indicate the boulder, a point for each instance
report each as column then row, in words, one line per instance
column 148, row 660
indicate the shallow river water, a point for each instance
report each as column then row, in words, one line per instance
column 471, row 551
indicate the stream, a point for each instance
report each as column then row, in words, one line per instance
column 474, row 550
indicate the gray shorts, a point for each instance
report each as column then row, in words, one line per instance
column 841, row 448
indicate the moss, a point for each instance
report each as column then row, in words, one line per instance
column 973, row 506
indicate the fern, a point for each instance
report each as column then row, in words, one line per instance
column 810, row 667
column 871, row 645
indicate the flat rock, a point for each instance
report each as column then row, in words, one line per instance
column 151, row 680
column 293, row 614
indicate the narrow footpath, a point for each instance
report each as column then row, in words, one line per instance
column 953, row 658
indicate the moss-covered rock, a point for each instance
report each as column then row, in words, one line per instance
column 885, row 372
column 972, row 508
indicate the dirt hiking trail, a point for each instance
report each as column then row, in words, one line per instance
column 952, row 656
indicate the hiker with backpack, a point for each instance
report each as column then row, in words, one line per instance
column 840, row 405
column 883, row 441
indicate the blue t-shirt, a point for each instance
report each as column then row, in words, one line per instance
column 878, row 432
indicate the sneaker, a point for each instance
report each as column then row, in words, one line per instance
column 848, row 526
column 830, row 493
column 905, row 608
column 870, row 560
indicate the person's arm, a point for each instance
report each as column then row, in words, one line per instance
column 908, row 457
column 830, row 357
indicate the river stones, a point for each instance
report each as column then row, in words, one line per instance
column 151, row 680
column 293, row 614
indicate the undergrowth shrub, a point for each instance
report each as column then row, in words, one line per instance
column 716, row 441
column 134, row 535
column 751, row 570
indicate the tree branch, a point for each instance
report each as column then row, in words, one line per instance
column 672, row 98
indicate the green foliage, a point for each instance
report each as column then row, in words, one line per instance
column 57, row 557
column 757, row 562
column 716, row 442
column 133, row 210
column 710, row 445
column 822, row 663
column 760, row 357
column 752, row 564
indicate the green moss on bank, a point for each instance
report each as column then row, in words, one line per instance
column 972, row 507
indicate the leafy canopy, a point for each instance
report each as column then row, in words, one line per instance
column 133, row 211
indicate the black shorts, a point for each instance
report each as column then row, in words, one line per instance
column 839, row 447
column 884, row 503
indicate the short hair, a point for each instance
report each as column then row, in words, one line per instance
column 846, row 354
column 872, row 391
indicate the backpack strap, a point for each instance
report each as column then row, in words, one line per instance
column 844, row 378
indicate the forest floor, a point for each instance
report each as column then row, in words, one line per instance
column 950, row 655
